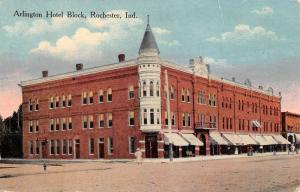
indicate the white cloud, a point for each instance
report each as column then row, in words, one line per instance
column 245, row 32
column 37, row 26
column 263, row 11
column 161, row 31
column 81, row 45
column 170, row 43
column 216, row 62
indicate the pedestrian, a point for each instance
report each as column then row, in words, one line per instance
column 293, row 148
column 139, row 156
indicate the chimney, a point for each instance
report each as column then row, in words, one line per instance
column 45, row 73
column 233, row 79
column 260, row 87
column 79, row 66
column 121, row 57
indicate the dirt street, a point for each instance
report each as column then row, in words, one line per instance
column 272, row 173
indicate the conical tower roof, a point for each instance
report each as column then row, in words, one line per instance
column 148, row 41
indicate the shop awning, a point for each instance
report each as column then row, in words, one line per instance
column 174, row 139
column 247, row 140
column 297, row 135
column 255, row 123
column 217, row 138
column 270, row 140
column 281, row 140
column 192, row 139
column 233, row 138
column 260, row 139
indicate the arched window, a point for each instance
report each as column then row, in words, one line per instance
column 151, row 88
column 182, row 95
column 172, row 92
column 188, row 95
column 144, row 88
column 109, row 95
column 157, row 89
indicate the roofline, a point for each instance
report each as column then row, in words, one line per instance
column 291, row 113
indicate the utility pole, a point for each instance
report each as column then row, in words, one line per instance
column 169, row 113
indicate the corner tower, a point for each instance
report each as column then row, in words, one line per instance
column 149, row 67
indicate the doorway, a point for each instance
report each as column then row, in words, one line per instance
column 203, row 148
column 77, row 148
column 151, row 146
column 44, row 149
column 101, row 148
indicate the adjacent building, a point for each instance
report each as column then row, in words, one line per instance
column 150, row 103
column 291, row 127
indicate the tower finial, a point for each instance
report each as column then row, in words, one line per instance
column 148, row 19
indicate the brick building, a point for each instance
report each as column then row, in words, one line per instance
column 291, row 127
column 150, row 103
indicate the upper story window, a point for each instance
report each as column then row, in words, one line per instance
column 91, row 121
column 131, row 118
column 182, row 95
column 100, row 96
column 51, row 103
column 157, row 89
column 172, row 95
column 84, row 122
column 109, row 95
column 188, row 119
column 131, row 92
column 109, row 120
column 183, row 120
column 201, row 97
column 30, row 126
column 242, row 105
column 166, row 118
column 69, row 100
column 101, row 120
column 157, row 116
column 63, row 102
column 188, row 99
column 151, row 88
column 57, row 124
column 91, row 98
column 152, row 116
column 37, row 104
column 145, row 116
column 37, row 127
column 144, row 89
column 212, row 100
column 70, row 126
column 173, row 118
column 30, row 105
column 64, row 124
column 57, row 101
column 84, row 98
column 52, row 125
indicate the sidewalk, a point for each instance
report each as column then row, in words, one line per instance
column 165, row 160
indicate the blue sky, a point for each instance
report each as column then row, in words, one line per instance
column 254, row 39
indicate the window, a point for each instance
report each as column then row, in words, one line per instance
column 183, row 119
column 145, row 116
column 64, row 124
column 131, row 92
column 70, row 123
column 84, row 122
column 51, row 103
column 57, row 147
column 227, row 123
column 201, row 97
column 188, row 119
column 131, row 118
column 63, row 101
column 91, row 121
column 110, row 146
column 37, row 147
column 230, row 123
column 157, row 89
column 157, row 116
column 30, row 126
column 36, row 104
column 91, row 98
column 211, row 100
column 51, row 124
column 57, row 101
column 57, row 124
column 69, row 100
column 100, row 96
column 166, row 118
column 91, row 146
column 30, row 104
column 52, row 147
column 31, row 147
column 172, row 95
column 101, row 120
column 182, row 95
column 223, row 123
column 131, row 145
column 84, row 98
column 70, row 147
column 222, row 102
column 37, row 126
column 188, row 95
column 151, row 116
column 242, row 105
column 109, row 120
column 151, row 88
column 144, row 88
column 64, row 150
column 173, row 118
column 109, row 95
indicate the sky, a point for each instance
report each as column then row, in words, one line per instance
column 254, row 39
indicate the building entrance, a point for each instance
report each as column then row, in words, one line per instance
column 203, row 148
column 101, row 148
column 77, row 148
column 151, row 146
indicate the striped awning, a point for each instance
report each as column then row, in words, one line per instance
column 233, row 138
column 247, row 140
column 255, row 123
column 281, row 140
column 192, row 139
column 217, row 138
column 270, row 140
column 260, row 139
column 174, row 139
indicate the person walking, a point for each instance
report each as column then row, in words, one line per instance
column 138, row 156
